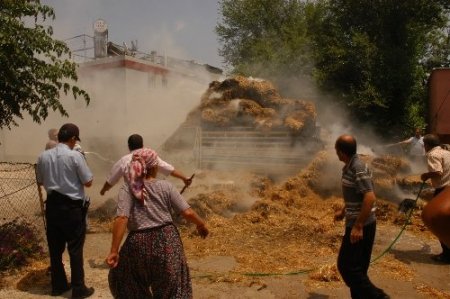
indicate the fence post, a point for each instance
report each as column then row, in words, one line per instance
column 41, row 200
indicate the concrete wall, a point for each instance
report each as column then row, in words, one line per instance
column 124, row 100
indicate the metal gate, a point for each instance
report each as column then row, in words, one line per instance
column 271, row 151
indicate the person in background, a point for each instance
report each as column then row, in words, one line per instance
column 415, row 145
column 52, row 139
column 118, row 170
column 360, row 223
column 64, row 173
column 438, row 161
column 151, row 262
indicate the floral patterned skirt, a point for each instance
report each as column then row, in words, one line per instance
column 151, row 264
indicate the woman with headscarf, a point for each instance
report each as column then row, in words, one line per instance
column 151, row 263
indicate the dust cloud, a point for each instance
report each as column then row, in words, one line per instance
column 155, row 104
column 334, row 120
column 144, row 98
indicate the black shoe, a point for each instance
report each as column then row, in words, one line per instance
column 441, row 258
column 87, row 292
column 382, row 295
column 62, row 291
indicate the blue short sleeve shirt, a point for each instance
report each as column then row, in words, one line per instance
column 63, row 170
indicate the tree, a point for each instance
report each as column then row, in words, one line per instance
column 34, row 67
column 374, row 56
column 264, row 37
column 370, row 52
column 437, row 52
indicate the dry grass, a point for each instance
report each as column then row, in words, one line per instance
column 242, row 101
column 396, row 269
column 37, row 276
column 288, row 229
column 431, row 292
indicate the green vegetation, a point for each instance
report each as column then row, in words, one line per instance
column 34, row 67
column 19, row 243
column 373, row 56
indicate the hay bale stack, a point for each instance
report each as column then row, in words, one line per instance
column 387, row 171
column 412, row 183
column 298, row 114
column 241, row 101
column 261, row 91
column 217, row 202
column 322, row 174
column 390, row 165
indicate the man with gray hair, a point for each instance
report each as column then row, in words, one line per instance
column 52, row 139
column 438, row 161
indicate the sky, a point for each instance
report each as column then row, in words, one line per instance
column 178, row 28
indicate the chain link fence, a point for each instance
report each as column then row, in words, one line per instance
column 19, row 196
column 22, row 225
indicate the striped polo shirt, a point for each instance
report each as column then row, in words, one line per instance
column 356, row 181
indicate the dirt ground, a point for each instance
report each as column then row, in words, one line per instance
column 268, row 241
column 423, row 278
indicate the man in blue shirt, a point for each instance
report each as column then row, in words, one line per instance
column 64, row 173
column 360, row 224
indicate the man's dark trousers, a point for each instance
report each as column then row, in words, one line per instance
column 353, row 264
column 65, row 225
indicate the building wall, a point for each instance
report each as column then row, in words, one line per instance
column 157, row 109
column 124, row 100
column 25, row 142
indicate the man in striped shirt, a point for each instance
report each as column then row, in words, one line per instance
column 360, row 224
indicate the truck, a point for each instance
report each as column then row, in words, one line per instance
column 439, row 104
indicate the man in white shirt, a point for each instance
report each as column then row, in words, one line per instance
column 416, row 149
column 118, row 170
column 439, row 172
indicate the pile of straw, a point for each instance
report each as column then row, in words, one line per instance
column 241, row 101
column 289, row 228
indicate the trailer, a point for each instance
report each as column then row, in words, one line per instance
column 439, row 103
column 245, row 148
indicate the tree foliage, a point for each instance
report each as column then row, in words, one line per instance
column 372, row 56
column 264, row 37
column 34, row 67
column 375, row 55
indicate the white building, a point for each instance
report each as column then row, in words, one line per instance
column 150, row 96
